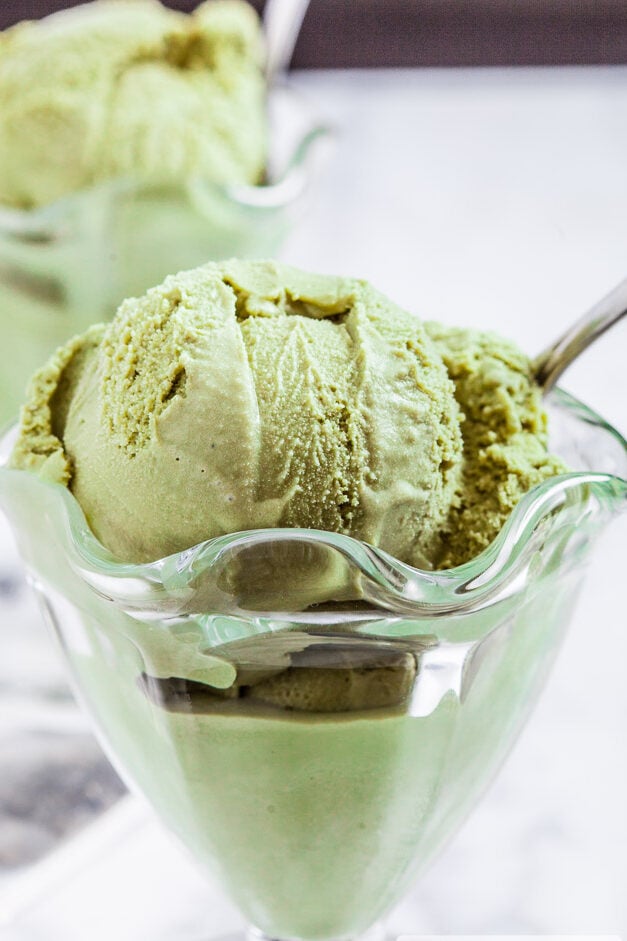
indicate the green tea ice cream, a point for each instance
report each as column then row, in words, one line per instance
column 248, row 395
column 131, row 89
column 314, row 753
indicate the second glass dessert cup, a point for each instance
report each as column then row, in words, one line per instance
column 311, row 717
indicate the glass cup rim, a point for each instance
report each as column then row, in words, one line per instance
column 393, row 584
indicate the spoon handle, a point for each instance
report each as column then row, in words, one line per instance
column 552, row 362
column 282, row 20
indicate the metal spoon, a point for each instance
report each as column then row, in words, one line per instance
column 552, row 362
column 282, row 20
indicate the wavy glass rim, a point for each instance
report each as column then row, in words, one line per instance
column 45, row 223
column 386, row 582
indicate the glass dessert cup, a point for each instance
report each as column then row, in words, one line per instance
column 311, row 717
column 69, row 264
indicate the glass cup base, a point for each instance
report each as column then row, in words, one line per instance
column 375, row 933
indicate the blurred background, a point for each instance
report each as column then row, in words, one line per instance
column 479, row 178
column 410, row 33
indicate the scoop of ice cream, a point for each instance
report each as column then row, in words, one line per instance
column 248, row 395
column 301, row 672
column 381, row 679
column 129, row 88
column 505, row 436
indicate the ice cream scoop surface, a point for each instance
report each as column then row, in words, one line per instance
column 129, row 88
column 246, row 395
column 505, row 435
column 249, row 395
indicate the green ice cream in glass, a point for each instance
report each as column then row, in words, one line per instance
column 135, row 141
column 309, row 560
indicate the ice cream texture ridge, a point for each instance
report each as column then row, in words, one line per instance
column 245, row 395
column 130, row 89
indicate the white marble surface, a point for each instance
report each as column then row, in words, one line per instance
column 497, row 199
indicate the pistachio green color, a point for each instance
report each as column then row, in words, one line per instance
column 130, row 89
column 504, row 428
column 245, row 395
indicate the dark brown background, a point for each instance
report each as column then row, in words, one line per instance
column 436, row 32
